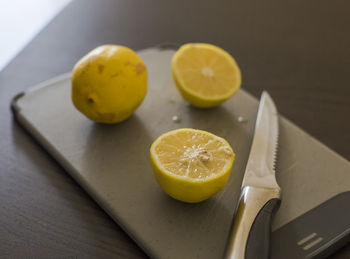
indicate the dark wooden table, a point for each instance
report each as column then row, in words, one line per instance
column 297, row 50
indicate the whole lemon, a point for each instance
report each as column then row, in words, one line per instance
column 109, row 83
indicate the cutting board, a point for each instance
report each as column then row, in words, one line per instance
column 111, row 162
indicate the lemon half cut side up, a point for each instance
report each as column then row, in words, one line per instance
column 191, row 165
column 205, row 75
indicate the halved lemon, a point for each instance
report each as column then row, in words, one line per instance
column 191, row 165
column 205, row 75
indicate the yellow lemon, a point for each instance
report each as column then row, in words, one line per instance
column 205, row 75
column 109, row 83
column 191, row 165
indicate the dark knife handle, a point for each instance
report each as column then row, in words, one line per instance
column 258, row 244
column 250, row 231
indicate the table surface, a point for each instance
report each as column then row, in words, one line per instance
column 296, row 50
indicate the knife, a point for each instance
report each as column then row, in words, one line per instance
column 260, row 194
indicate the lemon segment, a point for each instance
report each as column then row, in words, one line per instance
column 205, row 74
column 191, row 165
column 109, row 83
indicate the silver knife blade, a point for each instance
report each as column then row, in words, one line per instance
column 260, row 169
column 260, row 196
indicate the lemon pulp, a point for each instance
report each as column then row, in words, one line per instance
column 191, row 165
column 205, row 74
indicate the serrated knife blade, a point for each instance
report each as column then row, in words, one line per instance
column 250, row 231
column 260, row 169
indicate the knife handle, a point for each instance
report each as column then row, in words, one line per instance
column 251, row 228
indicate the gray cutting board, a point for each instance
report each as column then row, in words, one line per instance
column 111, row 162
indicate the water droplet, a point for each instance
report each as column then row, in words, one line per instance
column 241, row 119
column 176, row 118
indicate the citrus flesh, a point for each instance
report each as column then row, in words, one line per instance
column 191, row 165
column 109, row 83
column 205, row 74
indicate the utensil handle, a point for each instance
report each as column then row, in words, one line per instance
column 250, row 231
